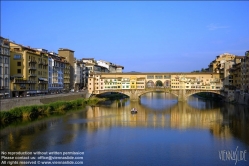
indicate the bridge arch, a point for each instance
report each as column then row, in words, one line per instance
column 166, row 83
column 112, row 92
column 190, row 93
column 153, row 90
column 150, row 83
column 159, row 83
column 182, row 94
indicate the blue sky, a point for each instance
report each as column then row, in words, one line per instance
column 145, row 36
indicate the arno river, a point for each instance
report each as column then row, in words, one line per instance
column 163, row 132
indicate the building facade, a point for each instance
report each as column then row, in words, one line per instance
column 69, row 57
column 112, row 81
column 113, row 68
column 79, row 75
column 29, row 71
column 245, row 73
column 56, row 73
column 4, row 68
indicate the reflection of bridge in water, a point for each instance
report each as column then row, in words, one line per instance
column 177, row 115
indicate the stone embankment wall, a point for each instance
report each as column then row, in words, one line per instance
column 7, row 104
column 241, row 98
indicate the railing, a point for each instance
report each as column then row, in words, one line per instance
column 32, row 61
column 32, row 68
column 32, row 75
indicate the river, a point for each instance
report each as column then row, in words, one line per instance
column 163, row 132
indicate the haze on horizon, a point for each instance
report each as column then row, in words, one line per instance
column 143, row 36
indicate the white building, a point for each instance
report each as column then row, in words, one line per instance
column 55, row 73
column 79, row 75
column 113, row 68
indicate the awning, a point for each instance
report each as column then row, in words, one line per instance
column 17, row 76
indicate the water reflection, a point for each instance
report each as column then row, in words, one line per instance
column 156, row 111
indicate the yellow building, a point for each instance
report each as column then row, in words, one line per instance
column 133, row 82
column 69, row 56
column 29, row 72
column 66, row 74
column 217, row 65
column 236, row 75
column 245, row 73
column 207, row 81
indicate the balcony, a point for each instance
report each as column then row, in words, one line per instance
column 32, row 75
column 21, row 81
column 32, row 68
column 32, row 61
column 40, row 62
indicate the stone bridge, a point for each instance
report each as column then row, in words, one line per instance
column 182, row 94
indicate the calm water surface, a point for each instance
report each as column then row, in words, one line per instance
column 163, row 132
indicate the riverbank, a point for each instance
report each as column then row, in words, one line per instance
column 32, row 112
column 7, row 104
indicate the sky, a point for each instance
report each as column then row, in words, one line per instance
column 143, row 36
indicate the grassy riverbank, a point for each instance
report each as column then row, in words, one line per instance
column 35, row 111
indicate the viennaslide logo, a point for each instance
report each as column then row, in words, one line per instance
column 233, row 155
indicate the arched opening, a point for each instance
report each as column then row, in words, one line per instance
column 167, row 83
column 150, row 84
column 208, row 96
column 159, row 83
column 112, row 95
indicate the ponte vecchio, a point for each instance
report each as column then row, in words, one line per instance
column 135, row 84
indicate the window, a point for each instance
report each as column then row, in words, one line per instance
column 6, row 60
column 18, row 63
column 6, row 70
column 6, row 82
column 19, row 71
column 0, row 69
column 1, row 60
column 17, row 57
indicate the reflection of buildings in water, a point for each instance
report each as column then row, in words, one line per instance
column 179, row 116
column 221, row 131
column 186, row 116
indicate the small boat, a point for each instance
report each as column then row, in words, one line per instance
column 133, row 111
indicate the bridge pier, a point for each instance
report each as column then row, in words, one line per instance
column 134, row 96
column 182, row 95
